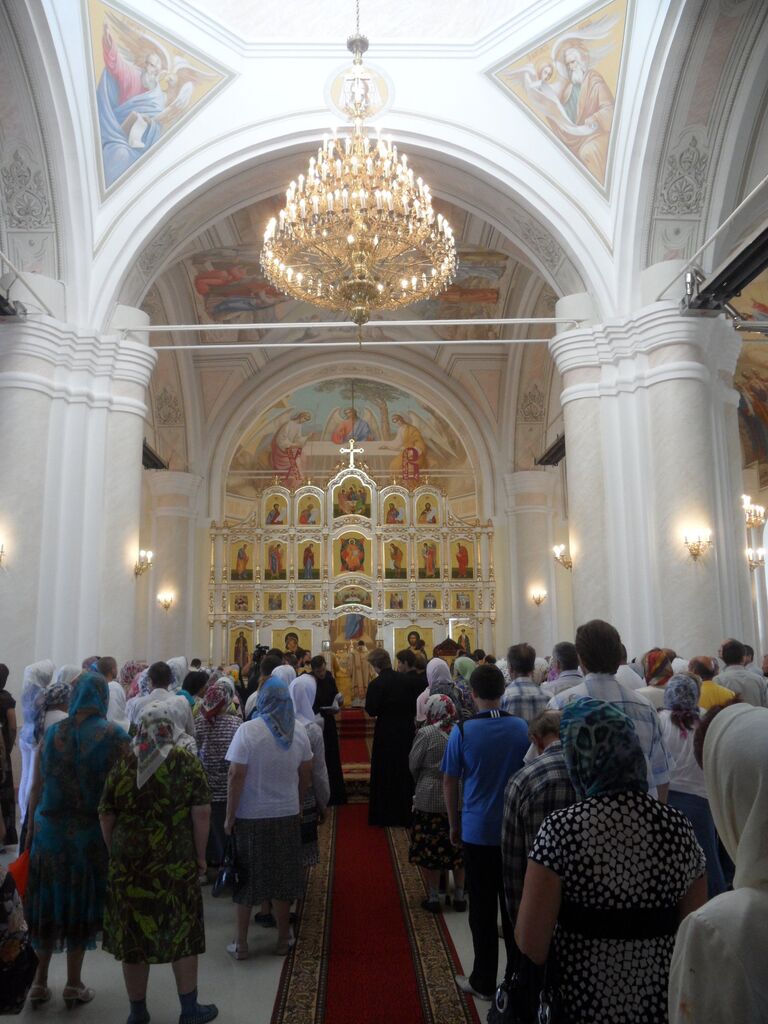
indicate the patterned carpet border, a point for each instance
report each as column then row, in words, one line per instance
column 432, row 950
column 301, row 994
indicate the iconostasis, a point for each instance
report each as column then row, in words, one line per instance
column 324, row 568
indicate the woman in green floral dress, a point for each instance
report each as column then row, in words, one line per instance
column 154, row 813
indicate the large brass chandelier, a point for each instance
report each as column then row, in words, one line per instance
column 358, row 231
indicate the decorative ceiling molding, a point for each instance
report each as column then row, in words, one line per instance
column 721, row 52
column 27, row 208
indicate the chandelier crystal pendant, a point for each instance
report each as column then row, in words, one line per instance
column 358, row 231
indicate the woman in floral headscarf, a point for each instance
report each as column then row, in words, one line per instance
column 687, row 789
column 154, row 815
column 129, row 677
column 610, row 877
column 431, row 848
column 68, row 860
column 214, row 731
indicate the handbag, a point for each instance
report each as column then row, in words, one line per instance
column 19, row 871
column 228, row 878
column 528, row 995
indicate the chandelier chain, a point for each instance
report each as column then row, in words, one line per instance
column 357, row 17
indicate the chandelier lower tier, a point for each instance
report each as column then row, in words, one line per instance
column 359, row 232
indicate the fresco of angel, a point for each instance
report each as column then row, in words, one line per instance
column 345, row 424
column 286, row 447
column 142, row 92
column 421, row 433
column 569, row 94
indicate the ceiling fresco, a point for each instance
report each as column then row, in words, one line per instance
column 569, row 84
column 297, row 439
column 145, row 84
column 228, row 286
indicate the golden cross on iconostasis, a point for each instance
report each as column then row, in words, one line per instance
column 351, row 452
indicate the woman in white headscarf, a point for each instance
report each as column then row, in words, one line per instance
column 284, row 673
column 302, row 690
column 179, row 669
column 37, row 677
column 718, row 973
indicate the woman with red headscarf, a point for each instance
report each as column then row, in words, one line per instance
column 657, row 669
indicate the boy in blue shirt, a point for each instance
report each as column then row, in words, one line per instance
column 483, row 754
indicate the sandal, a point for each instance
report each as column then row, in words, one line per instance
column 284, row 946
column 74, row 995
column 38, row 995
column 237, row 952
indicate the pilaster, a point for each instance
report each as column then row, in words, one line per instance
column 72, row 409
column 650, row 437
column 530, row 566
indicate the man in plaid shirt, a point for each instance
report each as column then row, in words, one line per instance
column 522, row 697
column 530, row 795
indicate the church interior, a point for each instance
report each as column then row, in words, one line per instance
column 525, row 245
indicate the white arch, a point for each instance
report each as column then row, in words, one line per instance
column 439, row 391
column 191, row 190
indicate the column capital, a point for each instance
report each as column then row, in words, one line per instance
column 173, row 493
column 530, row 488
column 76, row 365
column 652, row 345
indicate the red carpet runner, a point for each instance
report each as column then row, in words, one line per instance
column 371, row 975
column 355, row 729
column 366, row 952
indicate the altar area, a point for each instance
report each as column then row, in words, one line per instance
column 347, row 562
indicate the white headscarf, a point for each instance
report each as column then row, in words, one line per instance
column 736, row 773
column 36, row 678
column 303, row 691
column 68, row 674
column 285, row 673
column 178, row 667
column 438, row 673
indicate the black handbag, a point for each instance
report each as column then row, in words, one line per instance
column 228, row 877
column 528, row 995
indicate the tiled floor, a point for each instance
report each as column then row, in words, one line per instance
column 243, row 990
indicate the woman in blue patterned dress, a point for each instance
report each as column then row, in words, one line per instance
column 68, row 860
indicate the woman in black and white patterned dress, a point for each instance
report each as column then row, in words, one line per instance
column 610, row 877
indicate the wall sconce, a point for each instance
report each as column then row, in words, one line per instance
column 165, row 599
column 698, row 543
column 756, row 558
column 2, row 554
column 538, row 597
column 144, row 562
column 754, row 515
column 560, row 556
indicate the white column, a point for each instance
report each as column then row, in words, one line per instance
column 176, row 540
column 71, row 423
column 530, row 565
column 650, row 442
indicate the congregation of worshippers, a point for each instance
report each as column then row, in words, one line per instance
column 603, row 819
